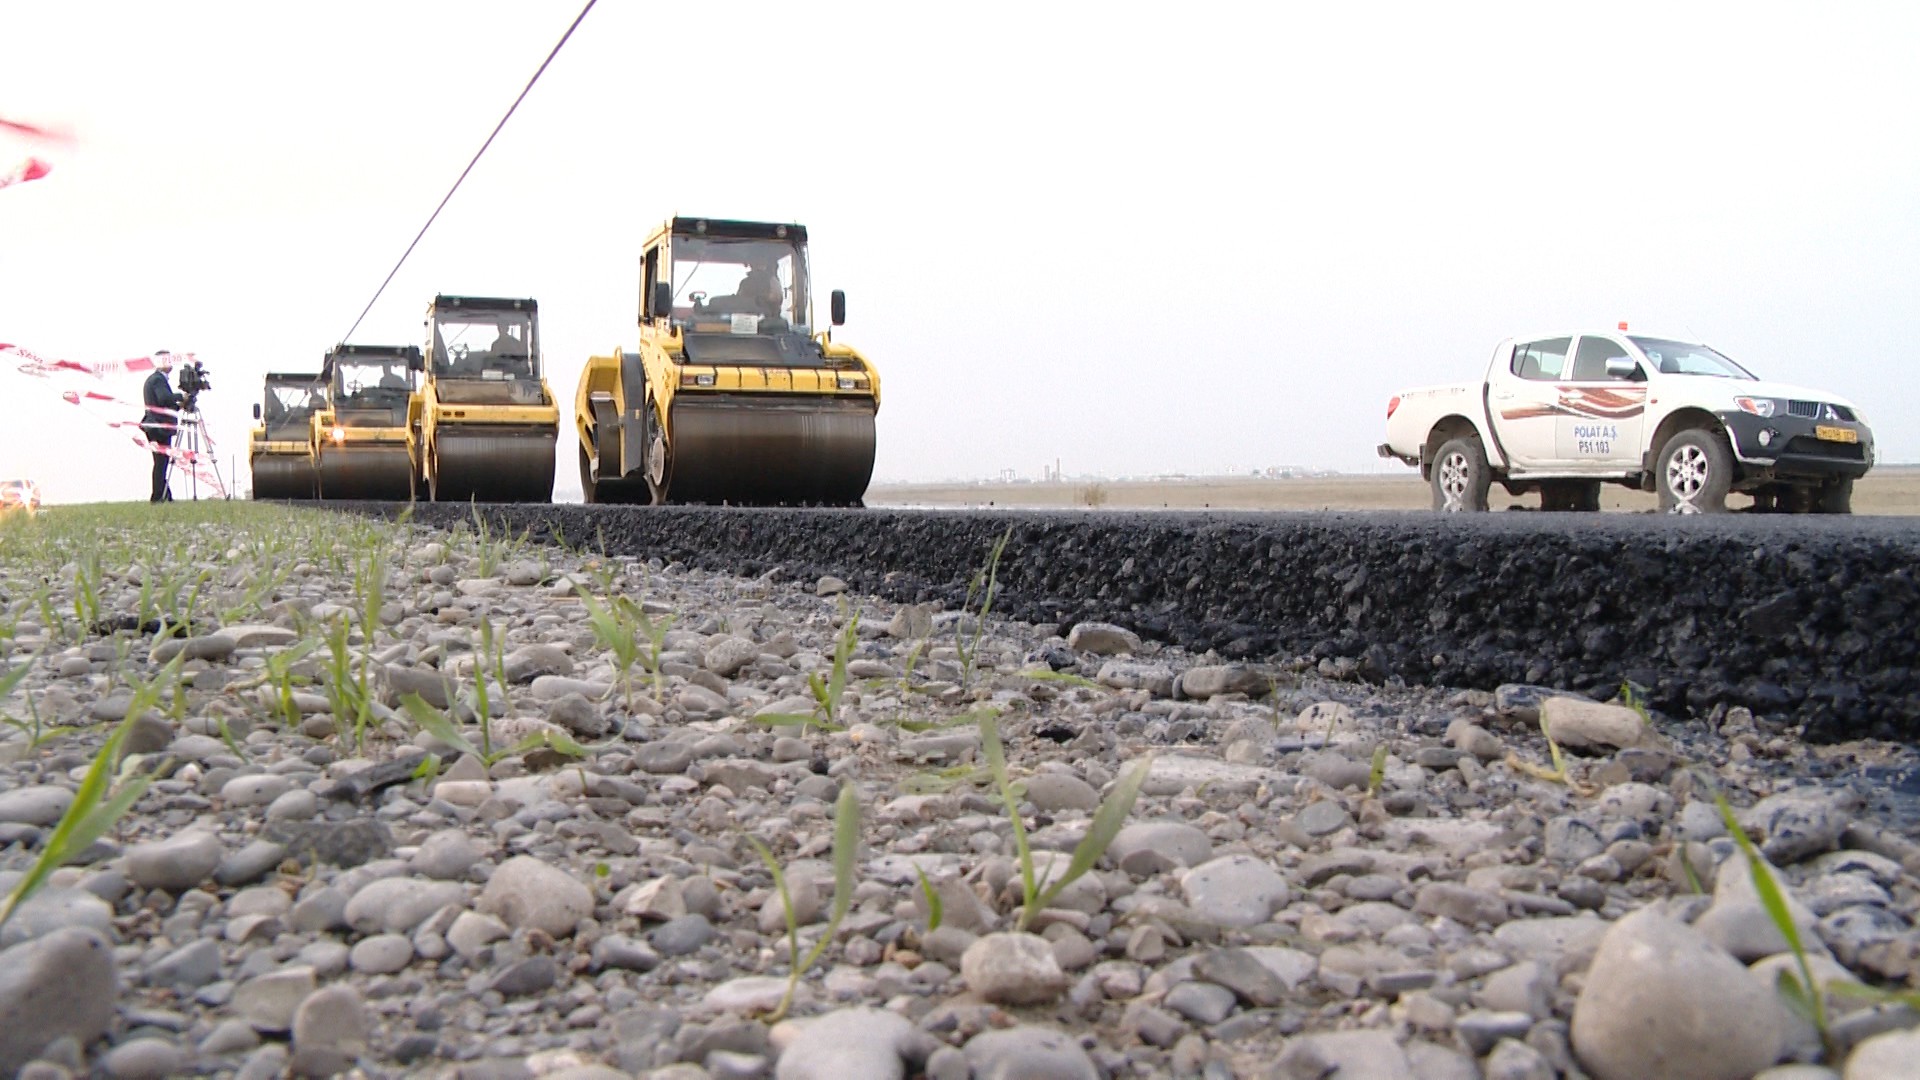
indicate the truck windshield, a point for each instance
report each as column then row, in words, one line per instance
column 485, row 345
column 1680, row 358
column 355, row 377
column 291, row 401
column 719, row 276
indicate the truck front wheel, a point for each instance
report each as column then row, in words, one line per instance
column 1461, row 477
column 1835, row 498
column 1694, row 473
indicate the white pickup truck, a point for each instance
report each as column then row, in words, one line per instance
column 1562, row 414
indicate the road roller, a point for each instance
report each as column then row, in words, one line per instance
column 280, row 447
column 732, row 396
column 362, row 439
column 488, row 421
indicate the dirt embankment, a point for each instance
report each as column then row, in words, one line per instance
column 1891, row 490
column 1808, row 618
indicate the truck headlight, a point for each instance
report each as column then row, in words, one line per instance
column 1758, row 406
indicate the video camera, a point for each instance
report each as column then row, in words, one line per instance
column 192, row 380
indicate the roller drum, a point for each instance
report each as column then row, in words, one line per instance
column 493, row 464
column 283, row 476
column 349, row 472
column 759, row 451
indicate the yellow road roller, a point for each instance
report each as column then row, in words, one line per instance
column 280, row 446
column 488, row 423
column 732, row 396
column 362, row 439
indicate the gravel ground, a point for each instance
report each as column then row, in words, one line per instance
column 590, row 903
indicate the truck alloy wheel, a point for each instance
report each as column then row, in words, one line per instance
column 1460, row 477
column 1695, row 473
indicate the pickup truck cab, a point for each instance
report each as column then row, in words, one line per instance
column 1563, row 413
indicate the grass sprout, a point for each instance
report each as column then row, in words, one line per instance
column 1037, row 891
column 98, row 803
column 348, row 695
column 1802, row 994
column 440, row 726
column 846, row 844
column 826, row 692
column 623, row 629
column 935, row 910
column 984, row 587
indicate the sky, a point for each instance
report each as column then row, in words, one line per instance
column 1130, row 239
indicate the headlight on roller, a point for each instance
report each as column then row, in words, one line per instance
column 690, row 379
column 1758, row 406
column 853, row 382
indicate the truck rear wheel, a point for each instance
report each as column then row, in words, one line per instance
column 1461, row 477
column 1694, row 472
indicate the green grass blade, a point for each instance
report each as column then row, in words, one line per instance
column 435, row 723
column 1775, row 903
column 1065, row 677
column 1107, row 822
column 935, row 910
column 997, row 765
column 786, row 901
column 101, row 819
column 61, row 845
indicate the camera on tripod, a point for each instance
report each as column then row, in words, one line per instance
column 192, row 380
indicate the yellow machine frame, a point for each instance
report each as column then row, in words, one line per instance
column 609, row 423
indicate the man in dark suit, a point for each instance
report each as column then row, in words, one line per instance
column 160, row 425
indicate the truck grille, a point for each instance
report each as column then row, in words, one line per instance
column 1819, row 410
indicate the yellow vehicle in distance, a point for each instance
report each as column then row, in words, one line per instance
column 362, row 439
column 280, row 446
column 732, row 396
column 487, row 422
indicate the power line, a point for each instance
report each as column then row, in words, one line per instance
column 463, row 173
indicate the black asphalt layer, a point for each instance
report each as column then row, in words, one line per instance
column 1803, row 619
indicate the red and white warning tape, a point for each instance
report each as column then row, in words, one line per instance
column 33, row 168
column 40, row 367
column 198, row 461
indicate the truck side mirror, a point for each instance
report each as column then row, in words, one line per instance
column 256, row 410
column 839, row 308
column 1622, row 368
column 660, row 304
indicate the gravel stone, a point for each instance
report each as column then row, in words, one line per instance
column 1028, row 1053
column 1660, row 1000
column 1372, row 1054
column 61, row 985
column 269, row 1001
column 175, row 864
column 397, row 905
column 1012, row 969
column 1235, row 890
column 42, row 805
column 329, row 1031
column 528, row 894
column 145, row 1059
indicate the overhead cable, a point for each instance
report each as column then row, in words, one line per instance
column 463, row 173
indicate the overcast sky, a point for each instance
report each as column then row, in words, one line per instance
column 1131, row 238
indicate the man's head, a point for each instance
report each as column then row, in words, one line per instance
column 163, row 360
column 763, row 285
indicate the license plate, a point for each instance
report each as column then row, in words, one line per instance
column 1836, row 434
